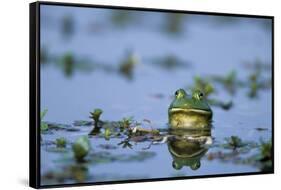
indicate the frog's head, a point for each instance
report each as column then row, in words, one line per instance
column 196, row 102
column 189, row 111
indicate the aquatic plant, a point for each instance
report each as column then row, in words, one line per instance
column 126, row 122
column 256, row 81
column 204, row 85
column 224, row 105
column 234, row 142
column 265, row 156
column 122, row 18
column 79, row 173
column 43, row 125
column 107, row 133
column 67, row 26
column 174, row 24
column 229, row 81
column 60, row 142
column 126, row 67
column 169, row 62
column 126, row 143
column 81, row 147
column 67, row 61
column 254, row 84
column 95, row 115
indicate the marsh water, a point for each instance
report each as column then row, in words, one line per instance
column 83, row 67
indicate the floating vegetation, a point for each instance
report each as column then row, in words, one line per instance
column 234, row 142
column 126, row 122
column 77, row 173
column 203, row 85
column 256, row 80
column 43, row 125
column 107, row 146
column 174, row 23
column 67, row 26
column 81, row 148
column 229, row 82
column 69, row 63
column 170, row 62
column 265, row 156
column 261, row 129
column 126, row 143
column 258, row 65
column 122, row 18
column 224, row 105
column 225, row 20
column 60, row 142
column 79, row 123
column 262, row 159
column 126, row 67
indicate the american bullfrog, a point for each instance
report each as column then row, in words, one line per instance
column 189, row 112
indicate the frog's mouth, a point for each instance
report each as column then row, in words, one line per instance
column 190, row 110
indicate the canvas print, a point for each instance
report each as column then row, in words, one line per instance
column 142, row 95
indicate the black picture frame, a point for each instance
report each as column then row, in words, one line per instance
column 34, row 92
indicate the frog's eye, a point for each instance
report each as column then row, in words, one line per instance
column 195, row 165
column 176, row 93
column 176, row 165
column 198, row 95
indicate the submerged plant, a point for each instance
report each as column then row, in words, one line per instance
column 61, row 142
column 81, row 147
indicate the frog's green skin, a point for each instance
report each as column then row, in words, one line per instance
column 189, row 112
column 187, row 152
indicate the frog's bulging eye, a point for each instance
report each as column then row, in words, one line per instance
column 177, row 93
column 198, row 95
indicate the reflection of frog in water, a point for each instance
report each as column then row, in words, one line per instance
column 188, row 147
column 190, row 112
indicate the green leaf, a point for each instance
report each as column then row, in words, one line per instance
column 43, row 113
column 44, row 126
